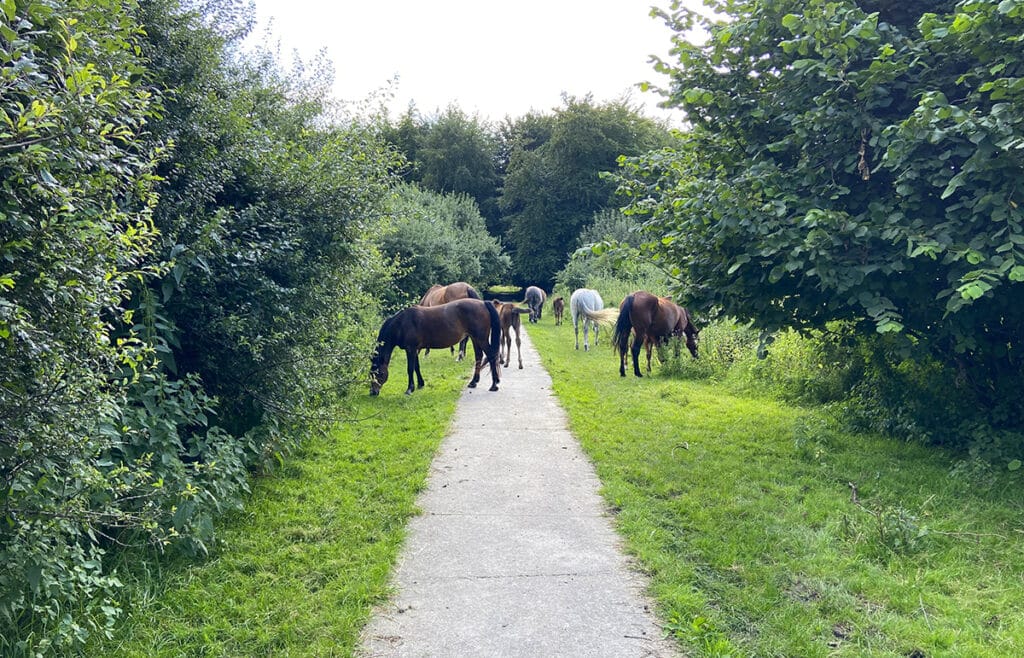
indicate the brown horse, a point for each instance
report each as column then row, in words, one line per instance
column 421, row 327
column 438, row 294
column 558, row 306
column 509, row 314
column 654, row 320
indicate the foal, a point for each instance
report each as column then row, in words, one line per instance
column 559, row 307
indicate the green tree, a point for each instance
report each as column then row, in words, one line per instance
column 851, row 160
column 451, row 153
column 554, row 183
column 439, row 238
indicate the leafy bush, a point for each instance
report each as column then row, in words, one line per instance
column 439, row 239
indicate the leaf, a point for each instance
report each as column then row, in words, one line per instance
column 791, row 22
column 1014, row 465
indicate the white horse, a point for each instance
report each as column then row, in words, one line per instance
column 588, row 303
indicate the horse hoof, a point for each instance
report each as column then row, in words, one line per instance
column 494, row 387
column 472, row 384
column 520, row 366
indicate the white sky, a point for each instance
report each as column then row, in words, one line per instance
column 494, row 59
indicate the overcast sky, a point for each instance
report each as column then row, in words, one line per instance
column 491, row 58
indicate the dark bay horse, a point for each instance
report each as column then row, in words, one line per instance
column 654, row 320
column 438, row 294
column 422, row 327
column 535, row 300
column 509, row 314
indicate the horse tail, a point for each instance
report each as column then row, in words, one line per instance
column 472, row 293
column 495, row 329
column 606, row 316
column 620, row 339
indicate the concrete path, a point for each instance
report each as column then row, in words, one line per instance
column 514, row 554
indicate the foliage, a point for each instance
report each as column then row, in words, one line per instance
column 74, row 230
column 438, row 239
column 451, row 153
column 851, row 161
column 269, row 219
column 553, row 183
column 313, row 551
column 156, row 348
column 741, row 510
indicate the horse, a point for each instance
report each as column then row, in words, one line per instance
column 558, row 306
column 588, row 304
column 535, row 300
column 418, row 327
column 509, row 314
column 653, row 320
column 438, row 294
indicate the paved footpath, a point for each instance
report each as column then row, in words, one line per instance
column 514, row 554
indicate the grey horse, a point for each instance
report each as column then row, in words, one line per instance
column 535, row 300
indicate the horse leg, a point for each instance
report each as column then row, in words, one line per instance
column 519, row 350
column 478, row 363
column 495, row 377
column 586, row 335
column 462, row 349
column 576, row 330
column 638, row 343
column 506, row 346
column 412, row 364
column 650, row 346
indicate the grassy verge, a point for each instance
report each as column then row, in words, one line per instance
column 298, row 572
column 767, row 531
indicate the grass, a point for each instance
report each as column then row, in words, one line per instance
column 768, row 531
column 298, row 572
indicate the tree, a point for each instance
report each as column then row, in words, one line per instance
column 439, row 239
column 554, row 183
column 451, row 153
column 850, row 160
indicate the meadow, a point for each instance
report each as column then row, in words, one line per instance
column 768, row 530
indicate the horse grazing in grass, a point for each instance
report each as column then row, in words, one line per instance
column 423, row 327
column 558, row 306
column 654, row 320
column 535, row 300
column 438, row 294
column 509, row 315
column 587, row 304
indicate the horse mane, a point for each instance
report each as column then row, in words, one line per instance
column 620, row 339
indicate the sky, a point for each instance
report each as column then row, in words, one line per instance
column 492, row 59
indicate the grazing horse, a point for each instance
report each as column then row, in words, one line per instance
column 587, row 303
column 438, row 294
column 419, row 327
column 558, row 306
column 653, row 320
column 535, row 300
column 509, row 315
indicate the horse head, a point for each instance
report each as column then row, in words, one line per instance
column 692, row 337
column 378, row 371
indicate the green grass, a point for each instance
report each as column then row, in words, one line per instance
column 298, row 572
column 743, row 512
